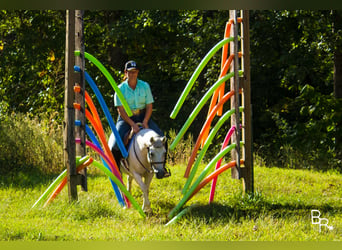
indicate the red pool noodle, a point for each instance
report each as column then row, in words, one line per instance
column 218, row 164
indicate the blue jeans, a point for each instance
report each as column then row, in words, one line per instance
column 123, row 128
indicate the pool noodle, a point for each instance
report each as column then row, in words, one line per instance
column 198, row 107
column 121, row 186
column 206, row 125
column 57, row 180
column 214, row 100
column 109, row 77
column 94, row 119
column 93, row 110
column 99, row 151
column 206, row 146
column 56, row 191
column 99, row 130
column 213, row 175
column 215, row 96
column 224, row 67
column 65, row 180
column 105, row 110
column 218, row 164
column 195, row 75
column 223, row 64
column 92, row 136
column 220, row 91
column 180, row 214
column 200, row 178
column 97, row 125
column 107, row 151
column 225, row 47
column 114, row 186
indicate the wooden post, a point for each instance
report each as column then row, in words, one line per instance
column 74, row 26
column 235, row 100
column 69, row 113
column 248, row 170
column 80, row 97
column 246, row 153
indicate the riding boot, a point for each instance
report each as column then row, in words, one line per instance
column 119, row 159
column 117, row 155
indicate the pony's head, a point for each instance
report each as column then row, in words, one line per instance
column 157, row 156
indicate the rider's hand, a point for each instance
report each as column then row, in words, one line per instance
column 145, row 124
column 136, row 128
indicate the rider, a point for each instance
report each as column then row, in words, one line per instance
column 140, row 100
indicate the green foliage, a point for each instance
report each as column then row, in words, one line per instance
column 30, row 145
column 296, row 115
column 292, row 60
column 32, row 59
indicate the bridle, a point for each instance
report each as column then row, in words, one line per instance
column 152, row 163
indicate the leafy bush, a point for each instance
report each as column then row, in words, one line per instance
column 305, row 137
column 29, row 144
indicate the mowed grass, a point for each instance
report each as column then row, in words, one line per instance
column 280, row 210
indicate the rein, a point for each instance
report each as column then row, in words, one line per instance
column 152, row 162
column 137, row 157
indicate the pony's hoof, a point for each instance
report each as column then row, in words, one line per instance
column 148, row 211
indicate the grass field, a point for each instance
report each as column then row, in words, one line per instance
column 280, row 210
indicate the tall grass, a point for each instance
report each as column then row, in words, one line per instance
column 30, row 144
column 182, row 151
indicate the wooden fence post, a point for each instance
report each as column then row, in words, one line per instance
column 74, row 28
column 248, row 170
column 235, row 100
column 80, row 96
column 246, row 152
column 69, row 113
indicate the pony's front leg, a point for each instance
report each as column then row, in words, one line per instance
column 144, row 188
column 129, row 183
column 147, row 180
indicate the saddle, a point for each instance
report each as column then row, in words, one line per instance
column 128, row 137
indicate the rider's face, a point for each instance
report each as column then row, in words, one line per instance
column 132, row 74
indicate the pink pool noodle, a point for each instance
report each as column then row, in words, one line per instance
column 218, row 164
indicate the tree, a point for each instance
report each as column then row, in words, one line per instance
column 32, row 60
column 337, row 30
column 296, row 118
column 296, row 87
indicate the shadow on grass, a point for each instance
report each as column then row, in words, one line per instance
column 254, row 208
